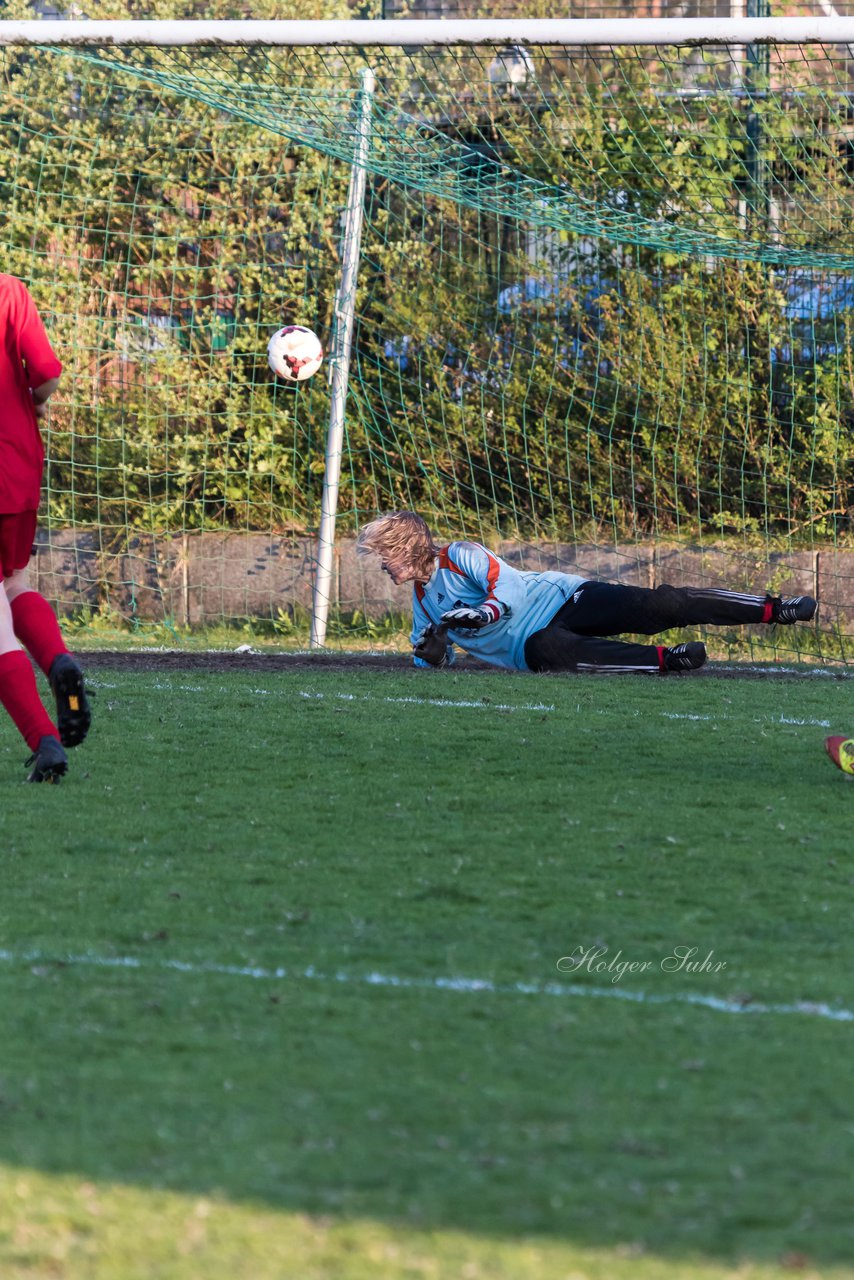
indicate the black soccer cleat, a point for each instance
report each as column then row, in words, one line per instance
column 685, row 657
column 49, row 761
column 795, row 609
column 73, row 713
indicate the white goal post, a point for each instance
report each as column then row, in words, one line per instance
column 421, row 32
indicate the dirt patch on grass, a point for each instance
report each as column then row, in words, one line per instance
column 399, row 664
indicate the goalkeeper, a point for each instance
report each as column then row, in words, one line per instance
column 464, row 595
column 29, row 374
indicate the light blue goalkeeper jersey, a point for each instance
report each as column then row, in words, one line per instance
column 466, row 574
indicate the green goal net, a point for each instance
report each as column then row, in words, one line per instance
column 602, row 319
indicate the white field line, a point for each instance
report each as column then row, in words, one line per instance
column 465, row 986
column 481, row 705
column 683, row 715
column 837, row 673
column 687, row 715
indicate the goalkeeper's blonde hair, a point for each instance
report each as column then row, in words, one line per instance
column 400, row 533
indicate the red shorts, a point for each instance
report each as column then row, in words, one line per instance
column 17, row 534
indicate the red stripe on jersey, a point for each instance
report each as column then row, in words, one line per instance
column 495, row 607
column 492, row 574
column 491, row 582
column 445, row 562
column 768, row 611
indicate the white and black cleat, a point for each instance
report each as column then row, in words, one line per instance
column 685, row 657
column 794, row 609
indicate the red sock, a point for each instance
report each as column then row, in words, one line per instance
column 20, row 697
column 37, row 628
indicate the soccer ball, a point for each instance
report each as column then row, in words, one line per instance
column 294, row 353
column 841, row 752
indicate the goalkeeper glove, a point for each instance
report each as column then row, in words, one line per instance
column 432, row 646
column 466, row 619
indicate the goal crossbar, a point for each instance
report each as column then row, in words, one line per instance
column 423, row 32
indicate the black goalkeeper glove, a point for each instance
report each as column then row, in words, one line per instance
column 432, row 646
column 466, row 619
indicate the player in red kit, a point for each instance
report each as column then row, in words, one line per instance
column 29, row 374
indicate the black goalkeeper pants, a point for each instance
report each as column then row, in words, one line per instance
column 572, row 641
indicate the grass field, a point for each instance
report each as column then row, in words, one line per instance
column 281, row 992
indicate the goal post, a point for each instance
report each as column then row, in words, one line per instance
column 600, row 312
column 424, row 33
column 342, row 341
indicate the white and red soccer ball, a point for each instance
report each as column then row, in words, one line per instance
column 294, row 353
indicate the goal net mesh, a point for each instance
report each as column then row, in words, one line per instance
column 602, row 319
